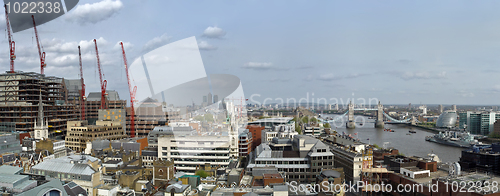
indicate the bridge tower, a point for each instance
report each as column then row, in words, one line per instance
column 379, row 123
column 350, row 124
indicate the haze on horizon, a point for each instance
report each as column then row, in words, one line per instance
column 400, row 52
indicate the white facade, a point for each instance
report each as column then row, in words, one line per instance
column 188, row 152
column 411, row 174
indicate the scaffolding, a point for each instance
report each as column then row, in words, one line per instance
column 19, row 97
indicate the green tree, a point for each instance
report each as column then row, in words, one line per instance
column 327, row 125
column 201, row 173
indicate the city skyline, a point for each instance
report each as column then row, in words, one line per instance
column 400, row 52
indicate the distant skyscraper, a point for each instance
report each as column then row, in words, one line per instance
column 204, row 99
column 336, row 107
column 454, row 107
column 216, row 98
column 409, row 106
column 210, row 101
column 440, row 108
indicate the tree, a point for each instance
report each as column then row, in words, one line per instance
column 305, row 119
column 201, row 173
column 327, row 125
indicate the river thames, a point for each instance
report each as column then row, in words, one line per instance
column 410, row 145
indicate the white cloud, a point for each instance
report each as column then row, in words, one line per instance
column 258, row 65
column 327, row 77
column 422, row 75
column 126, row 45
column 203, row 45
column 95, row 12
column 214, row 32
column 156, row 42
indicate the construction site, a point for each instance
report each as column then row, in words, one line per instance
column 65, row 100
column 19, row 97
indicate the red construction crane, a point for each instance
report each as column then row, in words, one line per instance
column 40, row 53
column 12, row 44
column 103, row 82
column 82, row 92
column 132, row 95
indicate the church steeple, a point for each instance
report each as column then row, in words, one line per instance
column 40, row 110
column 41, row 130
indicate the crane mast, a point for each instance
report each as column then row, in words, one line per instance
column 103, row 82
column 132, row 94
column 40, row 53
column 12, row 44
column 82, row 92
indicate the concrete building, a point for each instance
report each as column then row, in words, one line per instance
column 56, row 148
column 245, row 141
column 78, row 134
column 353, row 156
column 10, row 143
column 83, row 170
column 19, row 101
column 302, row 162
column 190, row 151
column 150, row 114
column 440, row 109
column 454, row 107
column 160, row 131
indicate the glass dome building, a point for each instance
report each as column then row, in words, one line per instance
column 447, row 119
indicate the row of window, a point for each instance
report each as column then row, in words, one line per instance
column 201, row 160
column 281, row 162
column 322, row 158
column 193, row 148
column 199, row 154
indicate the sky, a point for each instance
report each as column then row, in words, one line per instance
column 399, row 52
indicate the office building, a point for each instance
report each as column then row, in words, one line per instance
column 160, row 131
column 484, row 160
column 447, row 119
column 79, row 134
column 478, row 122
column 301, row 159
column 245, row 141
column 9, row 144
column 189, row 151
column 440, row 109
column 350, row 154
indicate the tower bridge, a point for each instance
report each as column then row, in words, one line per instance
column 379, row 120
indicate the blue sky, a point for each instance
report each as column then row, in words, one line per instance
column 444, row 52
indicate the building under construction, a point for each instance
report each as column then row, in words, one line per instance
column 19, row 100
column 93, row 104
column 148, row 115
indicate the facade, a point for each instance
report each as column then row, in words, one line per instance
column 10, row 144
column 148, row 115
column 78, row 135
column 93, row 104
column 256, row 131
column 270, row 123
column 190, row 151
column 478, row 122
column 113, row 115
column 350, row 155
column 80, row 169
column 485, row 160
column 57, row 148
column 160, row 131
column 19, row 101
column 447, row 119
column 306, row 158
column 245, row 141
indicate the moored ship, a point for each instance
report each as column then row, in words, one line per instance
column 454, row 138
